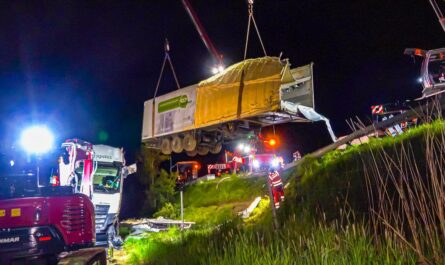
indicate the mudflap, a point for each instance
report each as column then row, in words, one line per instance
column 87, row 256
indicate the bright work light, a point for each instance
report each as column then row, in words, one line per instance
column 37, row 139
column 275, row 162
column 247, row 149
column 217, row 69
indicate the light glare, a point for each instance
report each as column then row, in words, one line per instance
column 247, row 149
column 37, row 139
column 256, row 163
column 275, row 162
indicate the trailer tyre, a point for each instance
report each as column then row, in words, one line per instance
column 216, row 149
column 177, row 145
column 192, row 153
column 166, row 147
column 189, row 142
column 202, row 150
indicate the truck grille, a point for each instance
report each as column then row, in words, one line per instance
column 101, row 215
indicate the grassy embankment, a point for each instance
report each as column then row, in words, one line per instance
column 211, row 203
column 378, row 203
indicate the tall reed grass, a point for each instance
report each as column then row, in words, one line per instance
column 406, row 190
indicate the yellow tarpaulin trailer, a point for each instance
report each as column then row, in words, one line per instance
column 243, row 90
column 251, row 94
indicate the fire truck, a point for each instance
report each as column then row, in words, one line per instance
column 263, row 162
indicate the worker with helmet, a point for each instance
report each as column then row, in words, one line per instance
column 277, row 187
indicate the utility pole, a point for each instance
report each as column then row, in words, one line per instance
column 182, row 207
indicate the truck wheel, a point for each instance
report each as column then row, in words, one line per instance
column 216, row 149
column 166, row 147
column 192, row 153
column 189, row 142
column 202, row 150
column 177, row 145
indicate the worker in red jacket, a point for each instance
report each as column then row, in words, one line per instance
column 277, row 187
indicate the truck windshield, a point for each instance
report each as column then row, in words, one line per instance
column 107, row 179
column 436, row 68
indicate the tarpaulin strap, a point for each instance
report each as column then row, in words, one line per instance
column 166, row 58
column 240, row 93
column 252, row 18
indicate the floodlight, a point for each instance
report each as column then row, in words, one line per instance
column 275, row 162
column 37, row 139
column 247, row 149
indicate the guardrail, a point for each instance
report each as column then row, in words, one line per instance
column 417, row 112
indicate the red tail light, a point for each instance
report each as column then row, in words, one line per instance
column 45, row 238
column 55, row 181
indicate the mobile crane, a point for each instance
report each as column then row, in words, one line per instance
column 432, row 73
column 219, row 66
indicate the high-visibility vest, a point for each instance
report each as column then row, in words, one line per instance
column 275, row 179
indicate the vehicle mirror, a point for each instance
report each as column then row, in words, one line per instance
column 128, row 170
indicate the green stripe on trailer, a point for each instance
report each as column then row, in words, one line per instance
column 173, row 103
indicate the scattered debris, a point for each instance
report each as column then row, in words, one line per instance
column 144, row 225
column 246, row 213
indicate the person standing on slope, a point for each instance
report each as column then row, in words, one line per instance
column 277, row 187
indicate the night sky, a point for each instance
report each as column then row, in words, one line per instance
column 86, row 67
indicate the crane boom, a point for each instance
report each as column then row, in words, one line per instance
column 438, row 12
column 203, row 34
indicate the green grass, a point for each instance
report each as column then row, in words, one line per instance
column 222, row 191
column 210, row 203
column 214, row 214
column 298, row 242
column 315, row 225
column 336, row 180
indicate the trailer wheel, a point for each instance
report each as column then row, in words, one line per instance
column 216, row 149
column 177, row 145
column 202, row 150
column 166, row 147
column 189, row 142
column 192, row 153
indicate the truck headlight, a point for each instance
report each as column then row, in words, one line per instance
column 275, row 162
column 256, row 163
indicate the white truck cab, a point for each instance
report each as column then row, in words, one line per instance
column 107, row 182
column 98, row 171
